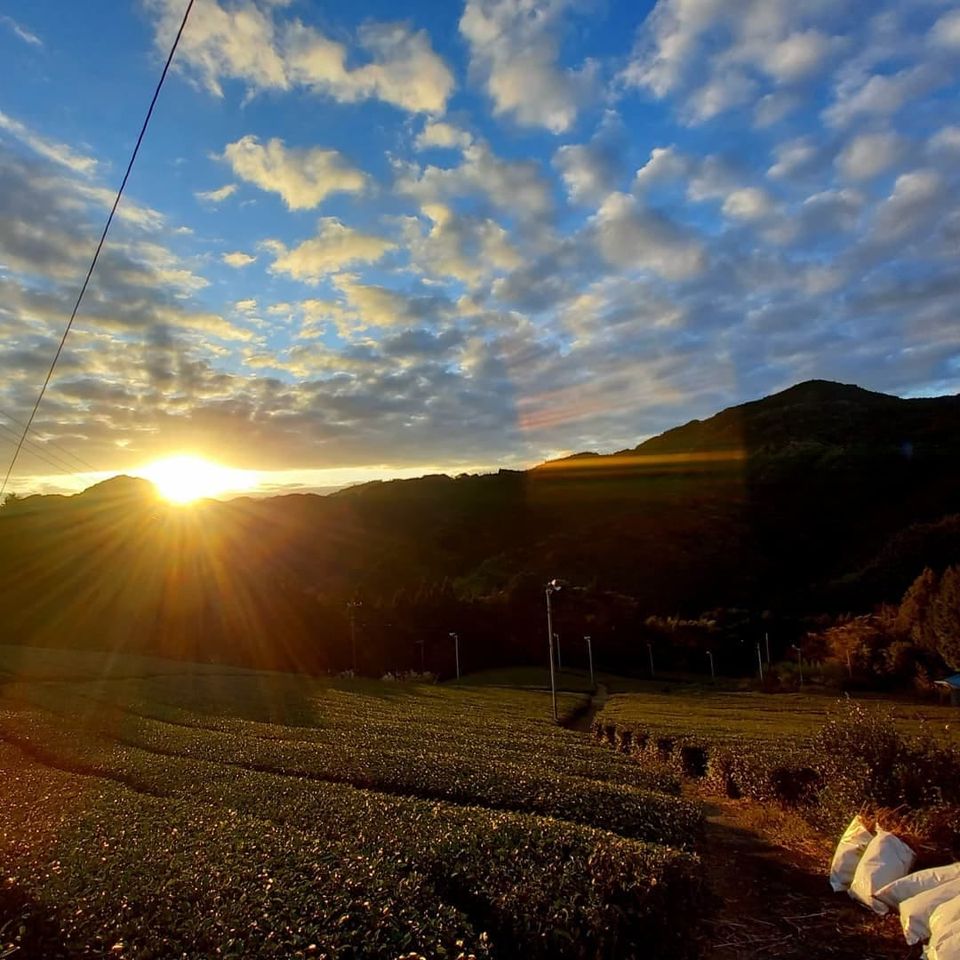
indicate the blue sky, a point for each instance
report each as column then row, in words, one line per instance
column 384, row 238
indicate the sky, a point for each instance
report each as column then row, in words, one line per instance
column 392, row 238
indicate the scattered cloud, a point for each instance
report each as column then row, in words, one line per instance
column 946, row 31
column 303, row 177
column 437, row 133
column 49, row 149
column 515, row 187
column 334, row 247
column 869, row 154
column 592, row 170
column 22, row 32
column 237, row 259
column 514, row 52
column 633, row 236
column 253, row 44
column 217, row 196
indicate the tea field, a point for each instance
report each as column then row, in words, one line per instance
column 158, row 810
column 686, row 709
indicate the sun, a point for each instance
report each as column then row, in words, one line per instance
column 185, row 478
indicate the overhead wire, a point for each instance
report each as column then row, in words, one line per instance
column 50, row 445
column 11, row 436
column 96, row 255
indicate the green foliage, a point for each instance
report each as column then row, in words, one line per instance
column 829, row 762
column 175, row 816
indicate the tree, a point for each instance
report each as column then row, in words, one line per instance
column 913, row 617
column 944, row 617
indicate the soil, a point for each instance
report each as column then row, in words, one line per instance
column 767, row 870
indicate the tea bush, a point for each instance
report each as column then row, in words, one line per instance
column 142, row 819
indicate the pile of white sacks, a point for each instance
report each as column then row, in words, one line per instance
column 875, row 870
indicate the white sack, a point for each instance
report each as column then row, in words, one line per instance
column 944, row 921
column 947, row 946
column 848, row 853
column 893, row 894
column 887, row 858
column 915, row 913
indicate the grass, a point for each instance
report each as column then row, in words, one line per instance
column 172, row 813
column 734, row 716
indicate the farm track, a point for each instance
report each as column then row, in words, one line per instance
column 582, row 721
column 767, row 872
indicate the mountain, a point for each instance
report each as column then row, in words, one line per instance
column 822, row 496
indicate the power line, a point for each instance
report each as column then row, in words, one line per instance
column 96, row 255
column 46, row 445
column 59, row 467
column 11, row 436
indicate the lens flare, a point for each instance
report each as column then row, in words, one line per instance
column 185, row 478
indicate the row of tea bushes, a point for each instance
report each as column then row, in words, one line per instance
column 155, row 857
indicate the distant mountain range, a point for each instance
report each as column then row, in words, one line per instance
column 825, row 496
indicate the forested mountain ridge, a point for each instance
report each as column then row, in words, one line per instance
column 787, row 503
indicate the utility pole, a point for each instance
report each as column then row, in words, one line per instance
column 556, row 640
column 800, row 662
column 760, row 661
column 767, row 638
column 713, row 675
column 650, row 654
column 552, row 587
column 456, row 650
column 590, row 659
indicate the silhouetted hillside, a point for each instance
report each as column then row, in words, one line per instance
column 785, row 504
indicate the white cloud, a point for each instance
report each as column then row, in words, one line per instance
column 795, row 159
column 916, row 198
column 235, row 43
column 946, row 140
column 437, row 133
column 378, row 306
column 714, row 53
column 471, row 249
column 302, row 177
column 665, row 165
column 748, row 203
column 590, row 170
column 880, row 95
column 723, row 90
column 869, row 154
column 50, row 149
column 514, row 49
column 334, row 247
column 514, row 186
column 797, row 56
column 771, row 108
column 216, row 196
column 404, row 71
column 668, row 39
column 828, row 213
column 19, row 30
column 946, row 31
column 237, row 259
column 634, row 237
column 246, row 42
column 711, row 178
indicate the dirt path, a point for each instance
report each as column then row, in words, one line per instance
column 583, row 720
column 768, row 872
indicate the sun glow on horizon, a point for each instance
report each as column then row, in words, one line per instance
column 185, row 478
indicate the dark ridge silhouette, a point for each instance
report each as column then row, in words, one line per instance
column 796, row 504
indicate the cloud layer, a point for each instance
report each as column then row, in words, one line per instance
column 488, row 234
